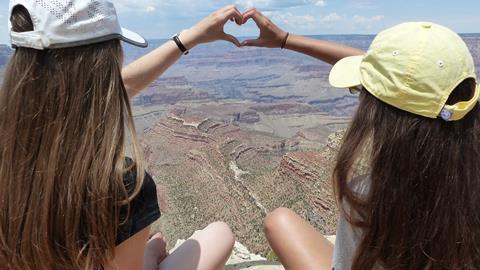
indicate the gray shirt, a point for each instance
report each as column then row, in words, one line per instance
column 348, row 237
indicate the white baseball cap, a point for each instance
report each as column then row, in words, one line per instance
column 70, row 23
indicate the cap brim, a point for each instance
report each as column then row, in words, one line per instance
column 346, row 72
column 133, row 38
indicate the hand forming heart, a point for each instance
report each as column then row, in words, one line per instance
column 271, row 36
column 212, row 28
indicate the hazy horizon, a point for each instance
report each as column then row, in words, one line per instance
column 313, row 35
column 323, row 35
column 158, row 19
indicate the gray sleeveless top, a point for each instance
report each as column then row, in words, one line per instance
column 348, row 237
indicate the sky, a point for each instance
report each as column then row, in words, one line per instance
column 163, row 18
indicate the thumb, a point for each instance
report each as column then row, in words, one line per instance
column 232, row 39
column 253, row 43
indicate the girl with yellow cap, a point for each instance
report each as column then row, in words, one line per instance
column 418, row 125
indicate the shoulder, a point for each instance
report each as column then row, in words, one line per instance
column 360, row 186
column 130, row 179
column 143, row 210
column 348, row 236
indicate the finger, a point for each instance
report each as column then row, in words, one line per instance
column 250, row 10
column 226, row 8
column 239, row 22
column 232, row 39
column 234, row 13
column 254, row 14
column 252, row 43
column 247, row 15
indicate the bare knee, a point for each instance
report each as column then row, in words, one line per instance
column 278, row 219
column 207, row 249
column 222, row 232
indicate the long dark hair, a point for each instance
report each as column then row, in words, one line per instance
column 421, row 211
column 64, row 121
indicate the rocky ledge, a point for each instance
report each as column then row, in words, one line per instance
column 242, row 259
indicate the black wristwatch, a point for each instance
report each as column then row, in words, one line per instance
column 180, row 45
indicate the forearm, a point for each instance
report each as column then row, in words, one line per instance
column 142, row 72
column 326, row 51
column 271, row 36
column 139, row 74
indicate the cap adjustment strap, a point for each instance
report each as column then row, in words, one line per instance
column 459, row 110
column 31, row 39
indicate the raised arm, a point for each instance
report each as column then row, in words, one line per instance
column 271, row 36
column 142, row 72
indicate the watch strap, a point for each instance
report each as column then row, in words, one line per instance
column 180, row 45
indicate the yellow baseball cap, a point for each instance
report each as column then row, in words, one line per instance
column 414, row 67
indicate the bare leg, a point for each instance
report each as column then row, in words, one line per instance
column 208, row 249
column 155, row 252
column 297, row 244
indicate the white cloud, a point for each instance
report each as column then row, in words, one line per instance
column 138, row 5
column 332, row 17
column 367, row 23
column 291, row 20
column 253, row 3
column 362, row 19
column 278, row 4
column 313, row 23
column 306, row 23
column 150, row 9
column 362, row 5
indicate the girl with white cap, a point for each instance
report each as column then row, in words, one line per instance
column 418, row 126
column 70, row 199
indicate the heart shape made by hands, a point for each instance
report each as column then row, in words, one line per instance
column 270, row 35
column 247, row 30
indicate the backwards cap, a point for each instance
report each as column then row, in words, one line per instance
column 413, row 67
column 70, row 23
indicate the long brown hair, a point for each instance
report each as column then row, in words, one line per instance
column 64, row 121
column 421, row 211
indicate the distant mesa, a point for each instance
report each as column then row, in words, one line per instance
column 313, row 68
column 188, row 122
column 170, row 96
column 5, row 54
column 282, row 109
column 248, row 117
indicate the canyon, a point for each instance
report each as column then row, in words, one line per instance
column 231, row 134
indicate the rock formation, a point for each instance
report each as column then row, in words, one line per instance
column 209, row 170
